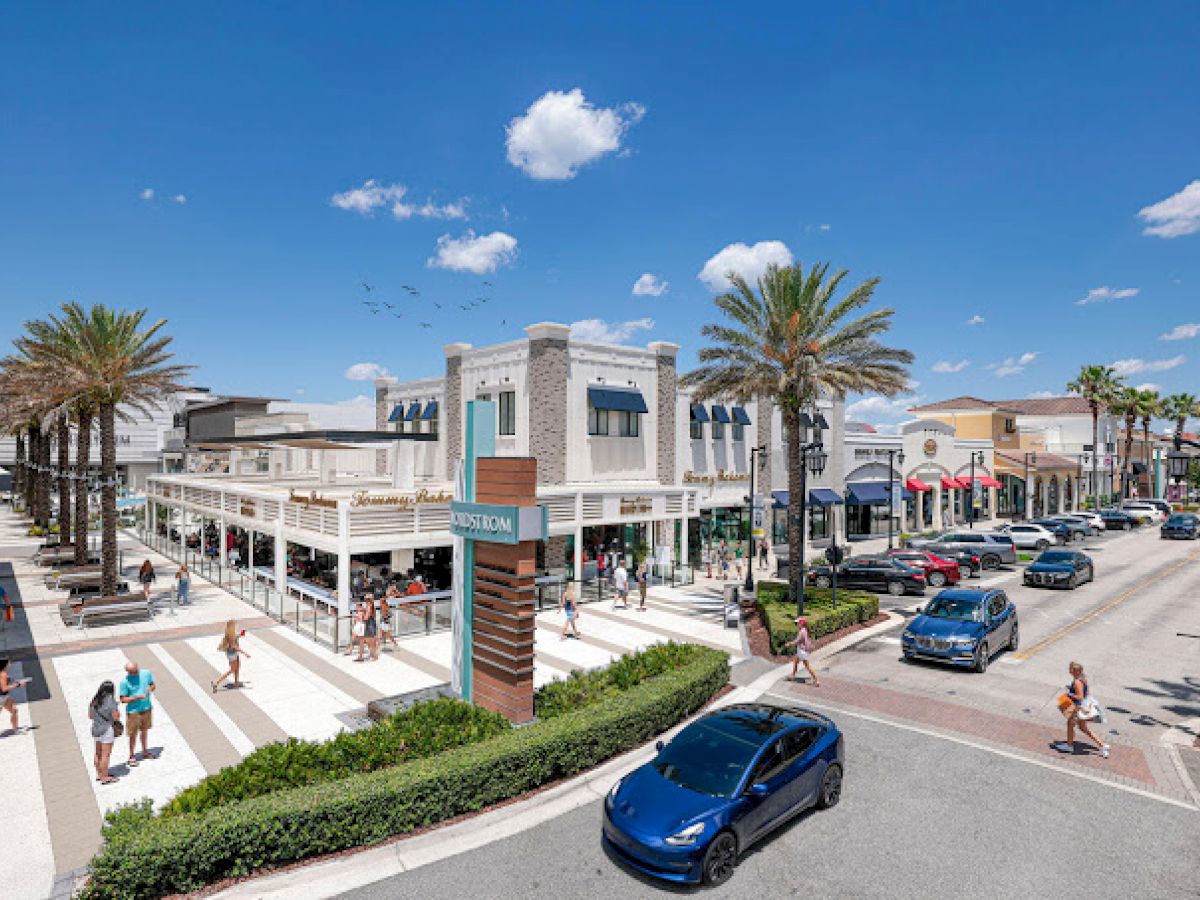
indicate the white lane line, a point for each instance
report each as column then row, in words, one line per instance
column 887, row 640
column 1086, row 776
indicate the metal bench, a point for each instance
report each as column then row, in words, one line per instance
column 119, row 606
column 69, row 576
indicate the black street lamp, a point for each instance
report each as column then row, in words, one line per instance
column 749, row 585
column 894, row 456
column 1030, row 460
column 812, row 459
column 975, row 454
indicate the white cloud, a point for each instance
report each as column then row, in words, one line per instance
column 1181, row 332
column 180, row 199
column 1149, row 386
column 366, row 199
column 470, row 253
column 365, row 371
column 649, row 285
column 1102, row 294
column 826, row 227
column 147, row 194
column 430, row 210
column 976, row 320
column 1176, row 216
column 874, row 409
column 1041, row 395
column 601, row 332
column 1136, row 366
column 299, row 392
column 1012, row 365
column 749, row 262
column 356, row 413
column 946, row 367
column 560, row 132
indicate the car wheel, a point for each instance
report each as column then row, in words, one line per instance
column 895, row 588
column 1091, row 574
column 720, row 859
column 1014, row 640
column 831, row 787
column 937, row 579
column 981, row 657
column 1072, row 583
column 990, row 561
column 1041, row 545
column 823, row 581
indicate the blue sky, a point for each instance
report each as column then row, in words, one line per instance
column 989, row 165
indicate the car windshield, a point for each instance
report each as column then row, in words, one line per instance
column 706, row 760
column 961, row 608
column 1056, row 556
column 1178, row 519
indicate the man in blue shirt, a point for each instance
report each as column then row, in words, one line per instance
column 135, row 690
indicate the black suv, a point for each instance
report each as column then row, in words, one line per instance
column 872, row 573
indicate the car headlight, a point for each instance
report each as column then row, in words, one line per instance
column 964, row 642
column 908, row 636
column 612, row 793
column 687, row 837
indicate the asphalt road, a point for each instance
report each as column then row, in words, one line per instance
column 920, row 816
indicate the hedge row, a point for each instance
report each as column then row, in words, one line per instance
column 777, row 592
column 780, row 618
column 145, row 856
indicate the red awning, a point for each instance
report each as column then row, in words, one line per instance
column 985, row 480
column 916, row 484
column 950, row 484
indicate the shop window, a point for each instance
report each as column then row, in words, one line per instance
column 597, row 420
column 696, row 430
column 613, row 423
column 629, row 424
column 739, row 431
column 508, row 413
column 1010, row 426
column 718, row 430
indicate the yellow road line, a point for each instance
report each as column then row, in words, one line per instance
column 1061, row 633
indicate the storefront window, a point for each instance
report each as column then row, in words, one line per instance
column 603, row 422
column 739, row 431
column 718, row 430
column 507, row 413
column 696, row 430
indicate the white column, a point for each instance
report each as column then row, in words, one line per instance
column 577, row 562
column 222, row 539
column 280, row 557
column 403, row 465
column 343, row 557
column 250, row 552
column 991, row 503
column 937, row 508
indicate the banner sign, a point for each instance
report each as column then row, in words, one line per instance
column 497, row 524
column 977, row 494
column 757, row 517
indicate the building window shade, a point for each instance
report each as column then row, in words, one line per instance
column 720, row 414
column 617, row 400
column 740, row 417
column 397, row 414
column 414, row 412
column 430, row 411
column 699, row 413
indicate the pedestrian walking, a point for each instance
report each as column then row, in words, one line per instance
column 183, row 585
column 643, row 581
column 570, row 607
column 385, row 621
column 737, row 560
column 1080, row 708
column 706, row 555
column 146, row 577
column 7, row 686
column 105, row 713
column 803, row 645
column 231, row 646
column 371, row 631
column 358, row 629
column 621, row 585
column 6, row 614
column 763, row 551
column 135, row 690
column 724, row 556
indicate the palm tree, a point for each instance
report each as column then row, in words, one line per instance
column 790, row 342
column 84, row 415
column 1125, row 404
column 1179, row 408
column 1149, row 406
column 1096, row 384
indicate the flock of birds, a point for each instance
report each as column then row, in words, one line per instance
column 378, row 306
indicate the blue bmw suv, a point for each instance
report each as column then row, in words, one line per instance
column 963, row 627
column 725, row 781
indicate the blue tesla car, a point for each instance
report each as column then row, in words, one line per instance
column 963, row 627
column 725, row 781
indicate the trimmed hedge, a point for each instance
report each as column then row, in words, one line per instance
column 145, row 856
column 780, row 618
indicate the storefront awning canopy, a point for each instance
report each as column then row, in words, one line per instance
column 720, row 414
column 917, row 485
column 617, row 400
column 816, row 497
column 1139, row 468
column 950, row 484
column 985, row 480
column 413, row 412
column 397, row 413
column 871, row 493
column 740, row 417
column 699, row 413
column 430, row 410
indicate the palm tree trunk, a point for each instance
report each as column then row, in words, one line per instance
column 64, row 480
column 1095, row 457
column 33, row 501
column 44, row 446
column 795, row 510
column 1130, row 424
column 1146, row 450
column 108, row 498
column 20, row 475
column 83, row 449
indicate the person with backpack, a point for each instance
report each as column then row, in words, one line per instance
column 232, row 648
column 146, row 576
column 183, row 585
column 105, row 713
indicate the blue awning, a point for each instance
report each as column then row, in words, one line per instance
column 740, row 417
column 823, row 497
column 699, row 413
column 781, row 499
column 872, row 493
column 413, row 412
column 719, row 414
column 430, row 410
column 617, row 400
column 397, row 413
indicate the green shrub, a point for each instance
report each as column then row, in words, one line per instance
column 584, row 688
column 35, row 531
column 145, row 856
column 823, row 618
column 419, row 731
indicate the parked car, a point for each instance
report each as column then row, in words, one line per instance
column 938, row 572
column 968, row 563
column 1117, row 520
column 992, row 547
column 872, row 573
column 1092, row 518
column 1080, row 527
column 1161, row 505
column 1145, row 513
column 1028, row 536
column 1181, row 525
column 1061, row 569
column 963, row 627
column 1059, row 529
column 724, row 782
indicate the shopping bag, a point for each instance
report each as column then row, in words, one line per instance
column 9, row 615
column 1066, row 705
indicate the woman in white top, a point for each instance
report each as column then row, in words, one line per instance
column 803, row 644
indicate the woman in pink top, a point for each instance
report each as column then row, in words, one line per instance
column 803, row 645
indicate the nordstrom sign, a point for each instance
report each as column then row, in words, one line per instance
column 497, row 524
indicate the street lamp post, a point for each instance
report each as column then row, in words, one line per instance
column 975, row 454
column 749, row 585
column 893, row 457
column 1030, row 460
column 812, row 458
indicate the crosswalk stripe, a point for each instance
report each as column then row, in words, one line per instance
column 200, row 693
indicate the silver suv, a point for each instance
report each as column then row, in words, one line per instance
column 992, row 548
